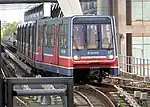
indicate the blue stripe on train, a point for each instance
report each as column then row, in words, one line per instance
column 116, row 72
column 59, row 70
column 91, row 52
column 64, row 71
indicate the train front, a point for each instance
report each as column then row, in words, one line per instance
column 94, row 52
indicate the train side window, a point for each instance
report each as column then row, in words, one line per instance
column 32, row 42
column 40, row 39
column 66, row 36
column 21, row 38
column 27, row 35
column 18, row 38
column 27, row 38
column 29, row 41
column 45, row 36
column 63, row 36
column 49, row 34
column 30, row 37
column 52, row 39
column 23, row 34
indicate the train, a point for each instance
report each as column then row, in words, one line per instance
column 84, row 47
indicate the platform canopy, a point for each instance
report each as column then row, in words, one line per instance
column 24, row 1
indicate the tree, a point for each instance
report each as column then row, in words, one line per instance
column 9, row 30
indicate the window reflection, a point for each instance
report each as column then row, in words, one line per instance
column 78, row 37
column 92, row 37
column 106, row 36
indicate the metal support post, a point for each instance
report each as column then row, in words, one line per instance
column 143, row 67
column 70, row 94
column 2, row 87
column 140, row 67
column 9, row 94
column 147, row 68
column 36, row 92
column 137, row 70
column 1, row 96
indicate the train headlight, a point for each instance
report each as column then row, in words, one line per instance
column 110, row 56
column 76, row 57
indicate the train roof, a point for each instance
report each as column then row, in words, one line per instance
column 56, row 20
column 30, row 23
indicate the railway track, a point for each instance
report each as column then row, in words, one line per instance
column 89, row 96
column 95, row 96
column 9, row 46
column 96, row 101
column 17, row 100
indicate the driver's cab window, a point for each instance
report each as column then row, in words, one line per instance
column 106, row 36
column 92, row 37
column 78, row 38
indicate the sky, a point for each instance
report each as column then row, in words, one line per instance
column 14, row 12
column 12, row 15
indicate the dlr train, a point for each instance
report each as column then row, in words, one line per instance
column 84, row 47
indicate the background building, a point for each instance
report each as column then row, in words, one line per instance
column 132, row 20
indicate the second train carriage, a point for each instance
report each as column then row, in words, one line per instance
column 81, row 46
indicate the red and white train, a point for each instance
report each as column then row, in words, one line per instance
column 84, row 47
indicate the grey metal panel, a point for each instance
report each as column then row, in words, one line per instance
column 30, row 1
column 9, row 90
column 56, row 80
column 36, row 92
column 24, row 1
column 20, row 63
column 43, row 80
column 1, row 88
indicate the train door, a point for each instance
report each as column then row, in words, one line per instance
column 34, row 43
column 56, row 45
column 41, row 42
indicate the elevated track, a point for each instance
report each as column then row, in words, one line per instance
column 90, row 96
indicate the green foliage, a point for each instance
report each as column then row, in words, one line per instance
column 9, row 30
column 121, row 105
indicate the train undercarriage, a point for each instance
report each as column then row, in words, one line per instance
column 83, row 76
column 91, row 75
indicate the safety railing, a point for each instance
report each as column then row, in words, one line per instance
column 137, row 66
column 65, row 93
column 129, row 99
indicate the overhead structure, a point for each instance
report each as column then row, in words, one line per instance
column 70, row 7
column 44, row 10
column 25, row 1
column 62, row 8
column 38, row 12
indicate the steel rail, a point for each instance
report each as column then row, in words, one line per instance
column 106, row 100
column 83, row 96
column 18, row 99
column 93, row 91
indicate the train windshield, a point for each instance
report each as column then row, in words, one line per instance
column 92, row 35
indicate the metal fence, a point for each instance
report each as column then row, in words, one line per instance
column 138, row 66
column 65, row 93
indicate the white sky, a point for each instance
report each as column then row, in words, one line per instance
column 14, row 12
column 12, row 15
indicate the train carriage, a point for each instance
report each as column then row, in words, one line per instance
column 81, row 46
